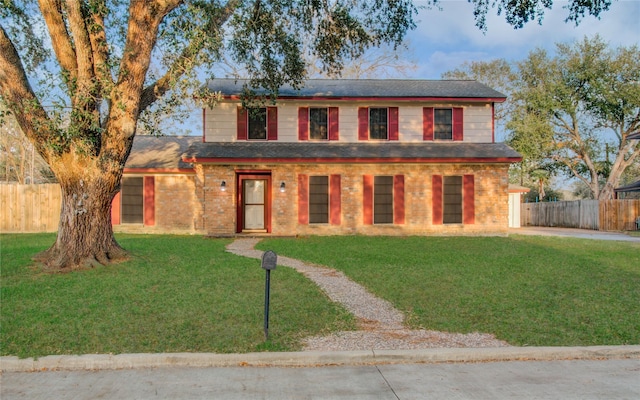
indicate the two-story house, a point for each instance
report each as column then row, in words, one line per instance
column 371, row 157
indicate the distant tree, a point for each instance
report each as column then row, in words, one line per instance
column 19, row 162
column 569, row 113
column 584, row 102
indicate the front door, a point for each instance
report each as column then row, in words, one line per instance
column 253, row 212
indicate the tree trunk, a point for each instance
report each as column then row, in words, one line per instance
column 85, row 234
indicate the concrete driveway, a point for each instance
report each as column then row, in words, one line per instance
column 571, row 232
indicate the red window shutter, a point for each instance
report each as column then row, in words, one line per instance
column 457, row 123
column 115, row 209
column 272, row 123
column 303, row 199
column 363, row 123
column 367, row 199
column 242, row 123
column 334, row 126
column 335, row 203
column 398, row 199
column 149, row 201
column 393, row 123
column 468, row 200
column 436, row 199
column 303, row 123
column 427, row 123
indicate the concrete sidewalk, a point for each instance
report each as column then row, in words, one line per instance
column 315, row 359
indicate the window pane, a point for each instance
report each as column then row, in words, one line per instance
column 452, row 200
column 443, row 125
column 318, row 199
column 378, row 123
column 318, row 125
column 132, row 200
column 383, row 200
column 257, row 123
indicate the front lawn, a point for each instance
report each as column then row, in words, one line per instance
column 527, row 290
column 178, row 294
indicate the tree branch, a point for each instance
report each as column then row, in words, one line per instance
column 158, row 88
column 98, row 38
column 144, row 21
column 60, row 39
column 17, row 93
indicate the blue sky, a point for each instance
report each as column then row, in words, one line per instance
column 445, row 39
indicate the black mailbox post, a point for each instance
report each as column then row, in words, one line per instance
column 269, row 261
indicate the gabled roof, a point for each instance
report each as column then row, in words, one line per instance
column 383, row 152
column 383, row 89
column 159, row 153
column 635, row 135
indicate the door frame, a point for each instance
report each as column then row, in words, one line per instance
column 253, row 175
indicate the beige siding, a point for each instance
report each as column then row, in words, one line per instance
column 410, row 124
column 221, row 122
column 287, row 122
column 478, row 123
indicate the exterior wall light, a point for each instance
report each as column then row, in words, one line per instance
column 223, row 186
column 282, row 187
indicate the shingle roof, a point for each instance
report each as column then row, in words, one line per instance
column 633, row 187
column 162, row 152
column 350, row 152
column 372, row 88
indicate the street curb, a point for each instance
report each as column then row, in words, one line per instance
column 91, row 362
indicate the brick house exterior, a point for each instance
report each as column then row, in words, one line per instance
column 158, row 190
column 337, row 157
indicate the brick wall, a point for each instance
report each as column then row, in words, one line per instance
column 176, row 207
column 490, row 186
column 176, row 202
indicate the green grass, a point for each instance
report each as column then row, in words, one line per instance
column 542, row 291
column 177, row 294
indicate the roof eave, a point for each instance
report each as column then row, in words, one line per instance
column 353, row 160
column 235, row 97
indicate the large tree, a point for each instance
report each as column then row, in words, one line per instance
column 78, row 75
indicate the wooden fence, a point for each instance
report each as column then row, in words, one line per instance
column 30, row 208
column 605, row 215
column 619, row 215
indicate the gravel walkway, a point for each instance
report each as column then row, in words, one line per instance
column 381, row 325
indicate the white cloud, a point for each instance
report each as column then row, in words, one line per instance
column 444, row 39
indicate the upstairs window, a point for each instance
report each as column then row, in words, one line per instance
column 318, row 124
column 257, row 123
column 443, row 124
column 378, row 123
